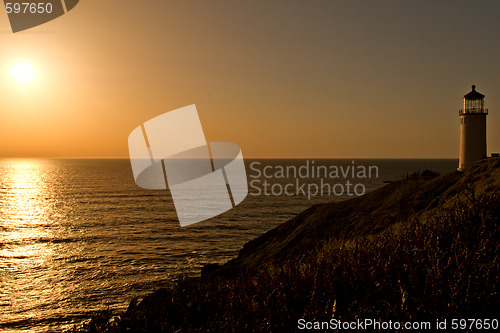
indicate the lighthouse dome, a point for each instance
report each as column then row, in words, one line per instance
column 473, row 95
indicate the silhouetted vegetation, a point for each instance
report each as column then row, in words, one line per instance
column 445, row 266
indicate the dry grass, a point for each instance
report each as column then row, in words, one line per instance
column 445, row 268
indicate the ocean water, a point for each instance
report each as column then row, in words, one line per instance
column 78, row 236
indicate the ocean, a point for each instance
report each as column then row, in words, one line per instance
column 77, row 236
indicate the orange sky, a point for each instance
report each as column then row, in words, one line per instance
column 282, row 78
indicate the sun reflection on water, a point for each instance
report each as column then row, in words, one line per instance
column 23, row 190
column 25, row 206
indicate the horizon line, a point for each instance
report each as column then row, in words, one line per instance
column 248, row 158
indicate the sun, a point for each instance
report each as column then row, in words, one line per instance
column 22, row 72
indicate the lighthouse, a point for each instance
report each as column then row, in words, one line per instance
column 472, row 129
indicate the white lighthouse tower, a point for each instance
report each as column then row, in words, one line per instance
column 472, row 130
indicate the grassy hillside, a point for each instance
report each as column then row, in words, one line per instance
column 426, row 248
column 416, row 198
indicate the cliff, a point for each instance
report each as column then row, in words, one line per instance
column 422, row 249
column 418, row 197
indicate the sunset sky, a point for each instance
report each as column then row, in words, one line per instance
column 287, row 78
